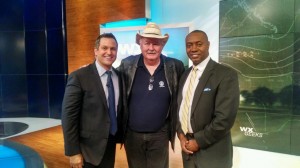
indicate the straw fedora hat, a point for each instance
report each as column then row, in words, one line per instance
column 152, row 31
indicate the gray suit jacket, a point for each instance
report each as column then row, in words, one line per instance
column 213, row 113
column 85, row 118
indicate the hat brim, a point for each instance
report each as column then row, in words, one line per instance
column 163, row 38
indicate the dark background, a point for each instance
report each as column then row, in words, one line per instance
column 33, row 58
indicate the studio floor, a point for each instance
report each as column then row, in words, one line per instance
column 45, row 136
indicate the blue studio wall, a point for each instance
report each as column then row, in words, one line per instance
column 33, row 58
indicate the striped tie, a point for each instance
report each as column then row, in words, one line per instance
column 187, row 101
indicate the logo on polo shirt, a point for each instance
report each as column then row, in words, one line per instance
column 161, row 84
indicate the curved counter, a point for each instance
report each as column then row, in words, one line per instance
column 16, row 155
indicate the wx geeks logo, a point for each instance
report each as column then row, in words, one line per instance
column 248, row 131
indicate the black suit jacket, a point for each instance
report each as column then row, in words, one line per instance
column 214, row 108
column 85, row 118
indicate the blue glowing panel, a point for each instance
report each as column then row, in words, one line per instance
column 127, row 45
column 12, row 53
column 125, row 23
column 10, row 158
column 14, row 93
column 56, row 92
column 36, row 60
column 175, row 46
column 11, row 15
column 56, row 52
column 34, row 15
column 16, row 155
column 54, row 15
column 38, row 105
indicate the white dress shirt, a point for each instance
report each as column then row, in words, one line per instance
column 199, row 72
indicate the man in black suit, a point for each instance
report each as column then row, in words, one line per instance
column 91, row 110
column 208, row 102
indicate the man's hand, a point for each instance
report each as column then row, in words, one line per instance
column 184, row 142
column 192, row 145
column 76, row 161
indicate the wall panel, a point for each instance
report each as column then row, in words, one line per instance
column 34, row 15
column 12, row 52
column 32, row 48
column 11, row 16
column 14, row 95
column 38, row 103
column 36, row 51
column 83, row 19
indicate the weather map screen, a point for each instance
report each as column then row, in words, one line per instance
column 261, row 41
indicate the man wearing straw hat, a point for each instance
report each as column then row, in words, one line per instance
column 151, row 80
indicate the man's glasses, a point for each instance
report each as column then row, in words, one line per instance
column 151, row 80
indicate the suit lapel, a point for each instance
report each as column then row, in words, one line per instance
column 182, row 82
column 203, row 80
column 120, row 91
column 100, row 88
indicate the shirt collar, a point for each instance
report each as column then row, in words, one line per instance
column 101, row 70
column 201, row 66
column 142, row 64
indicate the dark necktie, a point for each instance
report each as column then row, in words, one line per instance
column 111, row 104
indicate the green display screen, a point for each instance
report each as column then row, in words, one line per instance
column 261, row 41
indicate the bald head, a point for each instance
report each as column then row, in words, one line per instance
column 197, row 46
column 204, row 35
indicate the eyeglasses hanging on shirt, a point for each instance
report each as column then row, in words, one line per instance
column 151, row 81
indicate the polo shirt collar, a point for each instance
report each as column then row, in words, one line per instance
column 142, row 64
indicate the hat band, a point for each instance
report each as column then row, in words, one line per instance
column 153, row 34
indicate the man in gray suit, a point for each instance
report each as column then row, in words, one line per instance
column 91, row 110
column 208, row 102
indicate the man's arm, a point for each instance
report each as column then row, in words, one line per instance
column 70, row 120
column 226, row 107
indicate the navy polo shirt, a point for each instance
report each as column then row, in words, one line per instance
column 149, row 99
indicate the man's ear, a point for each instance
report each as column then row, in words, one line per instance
column 95, row 52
